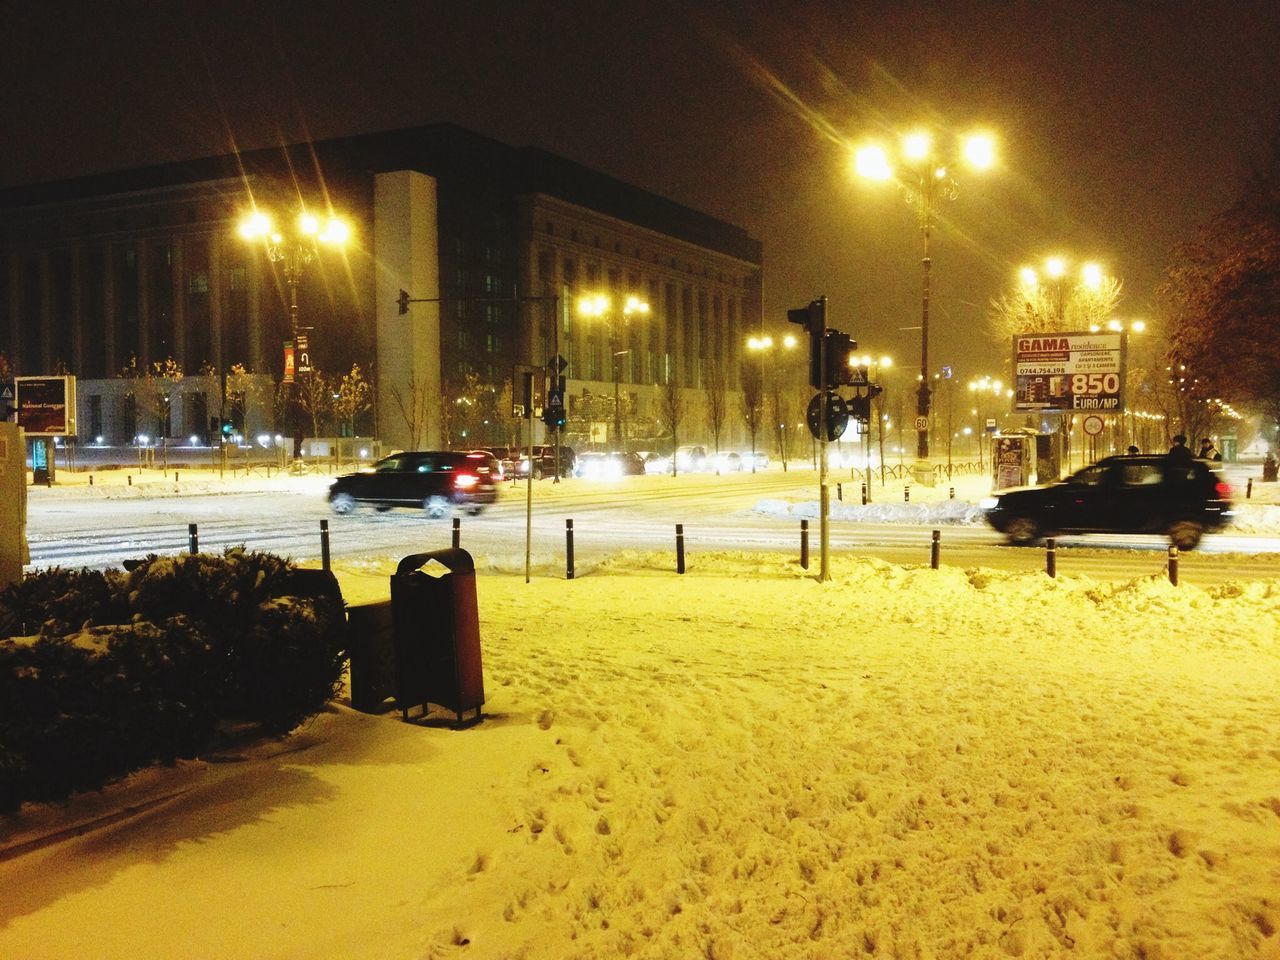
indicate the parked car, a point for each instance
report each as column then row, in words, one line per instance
column 496, row 457
column 691, row 458
column 435, row 480
column 609, row 466
column 544, row 461
column 728, row 462
column 1125, row 494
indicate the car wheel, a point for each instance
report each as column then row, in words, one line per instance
column 1022, row 531
column 436, row 507
column 474, row 510
column 382, row 509
column 343, row 503
column 1185, row 534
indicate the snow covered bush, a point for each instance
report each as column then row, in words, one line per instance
column 101, row 674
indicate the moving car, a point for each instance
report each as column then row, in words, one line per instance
column 544, row 461
column 609, row 466
column 1126, row 494
column 435, row 480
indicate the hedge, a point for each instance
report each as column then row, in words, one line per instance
column 102, row 673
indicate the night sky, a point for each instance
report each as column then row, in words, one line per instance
column 1122, row 126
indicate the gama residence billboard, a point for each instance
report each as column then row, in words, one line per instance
column 1069, row 372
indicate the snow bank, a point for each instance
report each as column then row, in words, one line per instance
column 744, row 763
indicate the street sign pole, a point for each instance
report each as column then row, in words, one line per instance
column 824, row 492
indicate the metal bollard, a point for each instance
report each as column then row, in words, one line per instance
column 1173, row 564
column 864, row 494
column 129, row 477
column 679, row 548
column 935, row 549
column 906, row 494
column 457, row 532
column 324, row 544
column 953, row 493
column 840, row 492
column 568, row 549
column 91, row 479
column 1051, row 557
column 193, row 538
column 1248, row 490
column 804, row 544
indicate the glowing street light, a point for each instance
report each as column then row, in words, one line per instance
column 599, row 305
column 764, row 345
column 925, row 176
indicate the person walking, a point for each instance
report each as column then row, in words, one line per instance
column 1208, row 451
column 1179, row 453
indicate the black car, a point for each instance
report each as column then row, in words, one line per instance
column 1129, row 494
column 435, row 480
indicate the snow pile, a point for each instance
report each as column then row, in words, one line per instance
column 740, row 762
column 945, row 512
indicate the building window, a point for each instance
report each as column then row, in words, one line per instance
column 95, row 416
column 492, row 343
column 198, row 282
column 239, row 279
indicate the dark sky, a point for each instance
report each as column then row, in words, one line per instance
column 1122, row 126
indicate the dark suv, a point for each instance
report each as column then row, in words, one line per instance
column 1131, row 494
column 435, row 480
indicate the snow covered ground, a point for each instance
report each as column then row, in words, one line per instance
column 740, row 762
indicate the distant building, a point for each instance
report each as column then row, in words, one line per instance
column 503, row 241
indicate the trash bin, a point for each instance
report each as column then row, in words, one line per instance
column 371, row 643
column 437, row 633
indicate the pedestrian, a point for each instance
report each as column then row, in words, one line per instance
column 1132, row 450
column 1208, row 451
column 1179, row 453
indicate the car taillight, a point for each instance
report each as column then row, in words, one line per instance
column 465, row 481
column 1223, row 490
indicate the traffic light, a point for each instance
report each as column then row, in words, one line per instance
column 839, row 349
column 813, row 317
column 554, row 417
column 403, row 300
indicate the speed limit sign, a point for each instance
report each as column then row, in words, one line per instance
column 922, row 423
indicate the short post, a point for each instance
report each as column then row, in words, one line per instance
column 839, row 494
column 935, row 549
column 568, row 549
column 679, row 548
column 906, row 494
column 91, row 479
column 129, row 478
column 1173, row 564
column 953, row 493
column 1248, row 489
column 864, row 494
column 193, row 538
column 457, row 532
column 324, row 544
column 804, row 544
column 1051, row 556
column 175, row 476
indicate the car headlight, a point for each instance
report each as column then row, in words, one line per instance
column 988, row 503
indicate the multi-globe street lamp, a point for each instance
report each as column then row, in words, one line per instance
column 923, row 170
column 764, row 346
column 983, row 388
column 293, row 248
column 1090, row 279
column 600, row 305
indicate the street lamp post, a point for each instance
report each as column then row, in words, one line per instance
column 600, row 305
column 925, row 178
column 293, row 250
column 761, row 346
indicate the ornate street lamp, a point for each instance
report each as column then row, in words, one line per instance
column 924, row 173
column 762, row 346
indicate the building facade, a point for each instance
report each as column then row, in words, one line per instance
column 495, row 245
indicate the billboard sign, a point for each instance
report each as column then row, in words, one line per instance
column 1069, row 372
column 46, row 405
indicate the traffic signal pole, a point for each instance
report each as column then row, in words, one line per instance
column 824, row 492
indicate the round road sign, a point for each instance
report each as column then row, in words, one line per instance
column 837, row 415
column 1093, row 425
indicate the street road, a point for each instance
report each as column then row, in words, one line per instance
column 718, row 513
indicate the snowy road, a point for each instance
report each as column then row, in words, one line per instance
column 718, row 513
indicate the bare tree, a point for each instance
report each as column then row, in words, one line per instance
column 411, row 404
column 672, row 405
column 315, row 397
column 354, row 396
column 752, row 400
column 1050, row 308
column 717, row 406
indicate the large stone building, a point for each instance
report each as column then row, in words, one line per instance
column 496, row 244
